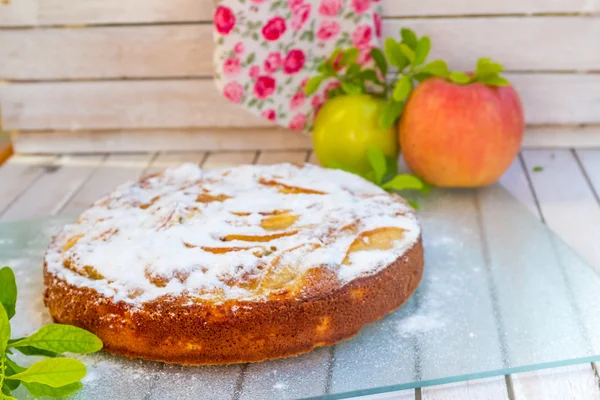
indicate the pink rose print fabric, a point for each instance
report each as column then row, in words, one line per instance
column 268, row 49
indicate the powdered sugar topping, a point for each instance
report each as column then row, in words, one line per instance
column 239, row 233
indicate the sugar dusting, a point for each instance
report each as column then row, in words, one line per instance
column 157, row 237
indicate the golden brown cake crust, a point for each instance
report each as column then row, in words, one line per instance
column 237, row 331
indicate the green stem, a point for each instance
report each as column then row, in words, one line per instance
column 2, row 370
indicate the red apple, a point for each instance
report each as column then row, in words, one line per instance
column 461, row 135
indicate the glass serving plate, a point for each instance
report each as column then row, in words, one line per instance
column 501, row 294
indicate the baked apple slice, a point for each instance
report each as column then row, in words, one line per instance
column 377, row 239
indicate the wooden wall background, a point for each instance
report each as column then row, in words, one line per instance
column 135, row 75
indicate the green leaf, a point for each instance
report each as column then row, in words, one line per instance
column 39, row 390
column 404, row 182
column 391, row 112
column 313, row 84
column 55, row 372
column 353, row 69
column 391, row 166
column 403, row 88
column 436, row 68
column 377, row 160
column 422, row 50
column 62, row 338
column 394, row 54
column 326, row 69
column 371, row 76
column 408, row 52
column 420, row 77
column 485, row 66
column 32, row 351
column 409, row 37
column 351, row 88
column 334, row 93
column 413, row 204
column 4, row 330
column 494, row 80
column 380, row 61
column 537, row 168
column 350, row 55
column 11, row 369
column 334, row 55
column 460, row 77
column 8, row 291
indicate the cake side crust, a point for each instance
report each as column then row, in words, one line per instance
column 236, row 331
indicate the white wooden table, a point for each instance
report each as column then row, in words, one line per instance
column 565, row 196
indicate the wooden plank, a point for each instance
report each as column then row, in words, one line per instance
column 120, row 104
column 567, row 202
column 573, row 382
column 17, row 175
column 66, row 12
column 53, row 189
column 275, row 157
column 402, row 395
column 6, row 150
column 166, row 160
column 516, row 182
column 576, row 136
column 461, row 41
column 215, row 139
column 58, row 12
column 590, row 160
column 313, row 158
column 197, row 103
column 185, row 50
column 110, row 52
column 115, row 170
column 229, row 159
column 488, row 389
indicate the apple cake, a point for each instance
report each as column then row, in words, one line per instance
column 245, row 264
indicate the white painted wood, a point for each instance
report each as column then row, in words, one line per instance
column 120, row 104
column 590, row 160
column 229, row 159
column 481, row 389
column 402, row 395
column 567, row 202
column 213, row 139
column 186, row 50
column 515, row 181
column 53, row 189
column 519, row 43
column 576, row 136
column 115, row 170
column 312, row 158
column 275, row 157
column 573, row 382
column 166, row 160
column 17, row 174
column 59, row 12
column 110, row 52
column 197, row 103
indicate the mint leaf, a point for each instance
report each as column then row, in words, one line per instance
column 351, row 88
column 39, row 390
column 391, row 111
column 404, row 182
column 460, row 77
column 409, row 37
column 380, row 60
column 349, row 56
column 537, row 168
column 422, row 50
column 408, row 52
column 54, row 372
column 403, row 88
column 32, row 351
column 4, row 331
column 394, row 54
column 62, row 338
column 313, row 84
column 377, row 160
column 436, row 68
column 8, row 291
column 494, row 80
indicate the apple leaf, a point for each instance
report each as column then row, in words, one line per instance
column 313, row 84
column 349, row 56
column 408, row 52
column 378, row 164
column 436, row 68
column 403, row 88
column 404, row 182
column 422, row 50
column 409, row 37
column 391, row 111
column 494, row 80
column 394, row 54
column 460, row 78
column 380, row 60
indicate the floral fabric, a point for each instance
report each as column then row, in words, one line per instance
column 268, row 49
